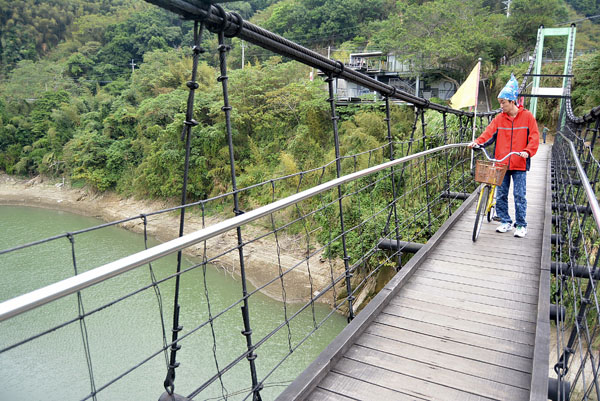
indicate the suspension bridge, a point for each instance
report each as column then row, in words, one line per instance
column 457, row 321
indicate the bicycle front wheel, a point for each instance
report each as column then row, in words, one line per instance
column 480, row 211
column 491, row 213
column 492, row 209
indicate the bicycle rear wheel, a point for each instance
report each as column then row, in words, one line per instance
column 480, row 212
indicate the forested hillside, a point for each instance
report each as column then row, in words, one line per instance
column 95, row 91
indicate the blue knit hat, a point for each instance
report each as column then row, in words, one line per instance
column 510, row 90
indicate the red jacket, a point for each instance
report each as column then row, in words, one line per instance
column 513, row 134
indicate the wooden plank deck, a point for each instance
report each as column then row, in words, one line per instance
column 460, row 324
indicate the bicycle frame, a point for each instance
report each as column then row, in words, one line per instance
column 486, row 194
column 490, row 201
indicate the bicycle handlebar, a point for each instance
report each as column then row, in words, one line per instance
column 479, row 147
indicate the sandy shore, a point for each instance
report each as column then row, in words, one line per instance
column 261, row 259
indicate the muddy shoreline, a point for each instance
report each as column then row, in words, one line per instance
column 261, row 262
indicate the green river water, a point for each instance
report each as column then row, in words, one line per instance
column 54, row 367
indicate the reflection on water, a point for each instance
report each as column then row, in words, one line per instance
column 130, row 332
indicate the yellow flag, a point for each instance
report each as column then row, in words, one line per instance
column 466, row 95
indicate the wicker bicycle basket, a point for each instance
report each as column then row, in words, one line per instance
column 489, row 172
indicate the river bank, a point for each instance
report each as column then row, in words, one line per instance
column 262, row 262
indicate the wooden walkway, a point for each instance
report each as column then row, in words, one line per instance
column 462, row 321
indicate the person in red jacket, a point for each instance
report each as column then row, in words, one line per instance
column 513, row 130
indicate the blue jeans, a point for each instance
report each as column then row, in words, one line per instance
column 519, row 179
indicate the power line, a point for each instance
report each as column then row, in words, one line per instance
column 578, row 20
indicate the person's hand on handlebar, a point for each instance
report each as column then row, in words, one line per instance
column 475, row 145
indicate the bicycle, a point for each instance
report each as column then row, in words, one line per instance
column 490, row 173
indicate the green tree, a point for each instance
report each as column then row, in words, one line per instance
column 142, row 32
column 166, row 70
column 29, row 81
column 586, row 90
column 31, row 29
column 526, row 16
column 434, row 33
column 86, row 156
column 160, row 174
column 586, row 7
column 42, row 110
column 324, row 22
column 79, row 65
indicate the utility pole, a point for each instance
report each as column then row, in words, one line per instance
column 507, row 3
column 417, row 85
column 243, row 55
column 132, row 66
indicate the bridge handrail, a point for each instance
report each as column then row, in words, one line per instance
column 585, row 182
column 71, row 285
column 575, row 263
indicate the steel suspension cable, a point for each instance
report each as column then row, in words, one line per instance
column 82, row 325
column 186, row 135
column 157, row 293
column 236, row 26
column 310, row 276
column 280, row 270
column 224, row 391
column 223, row 78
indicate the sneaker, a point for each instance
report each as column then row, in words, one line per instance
column 504, row 227
column 521, row 232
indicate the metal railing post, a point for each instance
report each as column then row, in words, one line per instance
column 338, row 169
column 427, row 195
column 461, row 130
column 447, row 164
column 393, row 178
